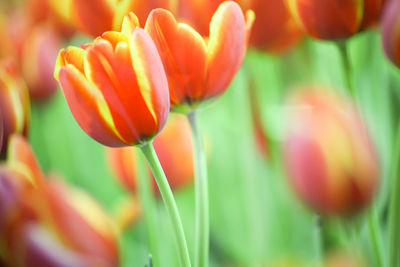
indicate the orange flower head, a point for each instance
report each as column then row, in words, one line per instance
column 174, row 149
column 14, row 104
column 371, row 13
column 274, row 30
column 116, row 87
column 330, row 158
column 96, row 17
column 200, row 68
column 391, row 31
column 49, row 223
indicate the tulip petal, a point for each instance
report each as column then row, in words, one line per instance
column 151, row 77
column 183, row 52
column 226, row 47
column 88, row 107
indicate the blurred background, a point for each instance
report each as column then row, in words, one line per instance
column 257, row 215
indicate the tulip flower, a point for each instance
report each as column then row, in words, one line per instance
column 38, row 59
column 197, row 68
column 96, row 17
column 174, row 149
column 117, row 90
column 390, row 33
column 116, row 86
column 331, row 19
column 14, row 103
column 331, row 161
column 274, row 30
column 48, row 223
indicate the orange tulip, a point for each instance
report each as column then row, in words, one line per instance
column 96, row 17
column 332, row 19
column 199, row 68
column 14, row 104
column 47, row 223
column 274, row 30
column 116, row 86
column 330, row 157
column 174, row 149
column 390, row 32
column 38, row 59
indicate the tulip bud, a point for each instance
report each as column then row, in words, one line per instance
column 331, row 19
column 116, row 87
column 38, row 60
column 14, row 103
column 175, row 140
column 390, row 32
column 330, row 158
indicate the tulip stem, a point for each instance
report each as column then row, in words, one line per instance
column 394, row 209
column 344, row 54
column 169, row 201
column 201, row 196
column 374, row 233
column 148, row 201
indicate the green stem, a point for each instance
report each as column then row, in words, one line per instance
column 169, row 201
column 342, row 46
column 201, row 195
column 375, row 236
column 394, row 208
column 148, row 201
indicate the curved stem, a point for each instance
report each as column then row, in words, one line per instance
column 201, row 195
column 394, row 208
column 374, row 233
column 342, row 46
column 148, row 201
column 169, row 201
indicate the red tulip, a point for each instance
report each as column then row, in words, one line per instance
column 330, row 158
column 332, row 19
column 14, row 103
column 390, row 32
column 47, row 223
column 116, row 86
column 199, row 68
column 38, row 60
column 174, row 149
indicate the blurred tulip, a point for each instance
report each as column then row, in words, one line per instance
column 14, row 103
column 116, row 86
column 331, row 19
column 48, row 222
column 330, row 157
column 127, row 212
column 38, row 59
column 174, row 149
column 96, row 17
column 198, row 68
column 274, row 30
column 390, row 32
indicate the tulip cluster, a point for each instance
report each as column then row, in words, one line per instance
column 47, row 223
